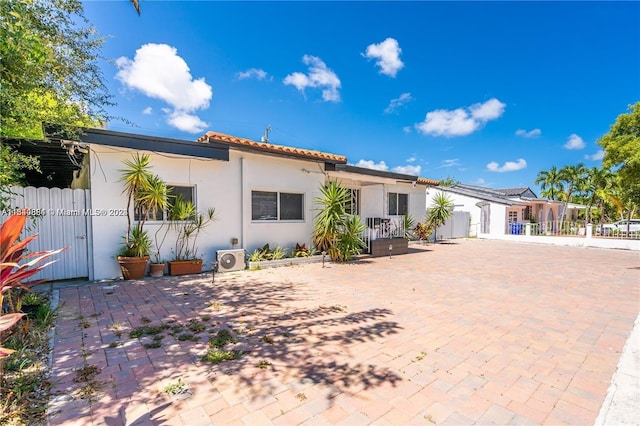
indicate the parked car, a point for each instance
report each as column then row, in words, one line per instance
column 619, row 227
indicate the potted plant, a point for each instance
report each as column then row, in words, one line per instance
column 148, row 195
column 187, row 223
column 156, row 199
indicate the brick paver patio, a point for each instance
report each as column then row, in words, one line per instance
column 469, row 332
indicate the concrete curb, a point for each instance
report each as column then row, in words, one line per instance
column 620, row 407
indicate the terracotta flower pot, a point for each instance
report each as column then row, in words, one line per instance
column 133, row 268
column 156, row 270
column 185, row 267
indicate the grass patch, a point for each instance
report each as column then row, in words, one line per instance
column 146, row 330
column 267, row 339
column 216, row 356
column 195, row 326
column 176, row 388
column 187, row 336
column 264, row 364
column 221, row 339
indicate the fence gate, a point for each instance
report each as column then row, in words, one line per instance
column 457, row 226
column 61, row 220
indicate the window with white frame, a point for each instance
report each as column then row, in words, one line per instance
column 398, row 204
column 267, row 205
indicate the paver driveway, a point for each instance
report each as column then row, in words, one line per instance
column 469, row 332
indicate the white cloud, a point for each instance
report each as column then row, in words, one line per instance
column 398, row 102
column 529, row 134
column 256, row 73
column 452, row 162
column 186, row 122
column 147, row 111
column 478, row 181
column 387, row 54
column 370, row 164
column 409, row 169
column 406, row 129
column 509, row 166
column 159, row 72
column 319, row 76
column 574, row 142
column 460, row 121
column 595, row 157
column 411, row 159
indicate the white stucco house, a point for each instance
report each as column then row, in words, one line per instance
column 262, row 192
column 494, row 210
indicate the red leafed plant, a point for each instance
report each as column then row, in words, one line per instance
column 14, row 270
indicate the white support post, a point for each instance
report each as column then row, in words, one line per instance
column 589, row 230
column 527, row 229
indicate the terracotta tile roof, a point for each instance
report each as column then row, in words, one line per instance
column 271, row 148
column 425, row 181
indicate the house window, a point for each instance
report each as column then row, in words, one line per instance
column 186, row 193
column 353, row 205
column 398, row 204
column 513, row 217
column 276, row 206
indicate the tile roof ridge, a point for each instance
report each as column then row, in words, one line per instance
column 268, row 146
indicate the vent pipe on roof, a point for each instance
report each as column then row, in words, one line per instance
column 265, row 138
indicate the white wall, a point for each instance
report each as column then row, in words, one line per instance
column 226, row 186
column 372, row 201
column 464, row 203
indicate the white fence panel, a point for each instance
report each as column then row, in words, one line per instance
column 60, row 221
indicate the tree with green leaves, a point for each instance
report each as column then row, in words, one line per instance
column 573, row 177
column 12, row 167
column 622, row 153
column 49, row 68
column 550, row 182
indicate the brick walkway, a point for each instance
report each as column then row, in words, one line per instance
column 470, row 332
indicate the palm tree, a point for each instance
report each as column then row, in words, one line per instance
column 550, row 182
column 136, row 177
column 439, row 212
column 573, row 177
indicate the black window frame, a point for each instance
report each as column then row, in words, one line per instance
column 397, row 196
column 171, row 197
column 282, row 213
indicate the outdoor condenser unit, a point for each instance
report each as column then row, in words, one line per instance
column 230, row 260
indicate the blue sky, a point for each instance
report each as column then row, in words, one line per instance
column 489, row 93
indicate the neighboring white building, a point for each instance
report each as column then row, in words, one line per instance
column 494, row 210
column 262, row 193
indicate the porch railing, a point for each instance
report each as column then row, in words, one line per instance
column 564, row 228
column 388, row 228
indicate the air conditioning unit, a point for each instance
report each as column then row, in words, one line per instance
column 230, row 260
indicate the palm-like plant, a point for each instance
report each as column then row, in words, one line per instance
column 349, row 243
column 188, row 223
column 550, row 182
column 441, row 209
column 573, row 177
column 336, row 232
column 330, row 215
column 136, row 177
